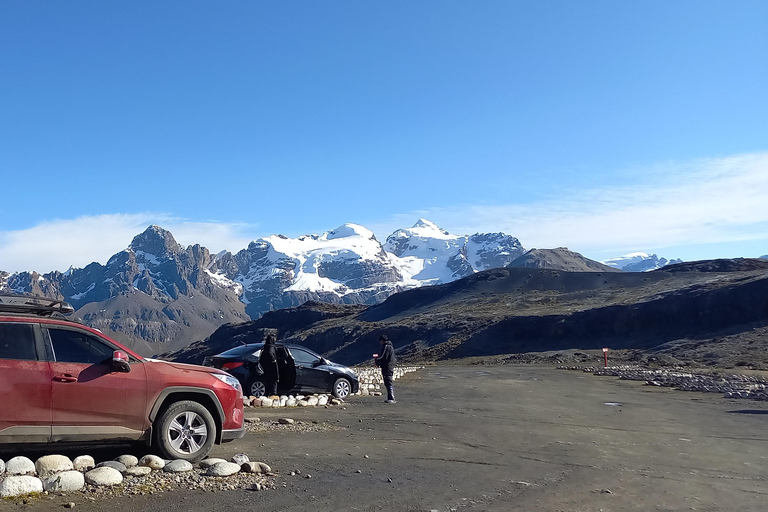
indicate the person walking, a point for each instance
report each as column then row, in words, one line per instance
column 268, row 363
column 386, row 361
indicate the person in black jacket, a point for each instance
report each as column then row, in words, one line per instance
column 268, row 363
column 386, row 361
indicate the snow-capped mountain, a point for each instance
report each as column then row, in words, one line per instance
column 428, row 254
column 639, row 262
column 349, row 265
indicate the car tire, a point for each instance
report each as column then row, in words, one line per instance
column 185, row 430
column 342, row 388
column 255, row 387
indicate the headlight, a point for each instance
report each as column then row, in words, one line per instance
column 228, row 379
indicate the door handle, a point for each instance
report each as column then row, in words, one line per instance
column 65, row 378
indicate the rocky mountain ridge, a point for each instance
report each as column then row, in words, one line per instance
column 157, row 295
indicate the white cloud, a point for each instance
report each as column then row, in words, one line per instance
column 708, row 201
column 57, row 244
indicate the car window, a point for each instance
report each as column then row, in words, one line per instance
column 302, row 356
column 237, row 351
column 78, row 347
column 17, row 341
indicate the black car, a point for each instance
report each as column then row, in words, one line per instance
column 301, row 370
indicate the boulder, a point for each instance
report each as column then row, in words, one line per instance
column 50, row 464
column 255, row 467
column 207, row 463
column 138, row 471
column 127, row 460
column 83, row 463
column 104, row 476
column 223, row 469
column 2, row 467
column 240, row 458
column 119, row 466
column 66, row 481
column 178, row 466
column 312, row 400
column 20, row 466
column 19, row 485
column 152, row 462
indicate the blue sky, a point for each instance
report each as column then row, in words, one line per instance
column 608, row 127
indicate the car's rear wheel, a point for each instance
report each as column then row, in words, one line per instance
column 341, row 388
column 255, row 387
column 185, row 430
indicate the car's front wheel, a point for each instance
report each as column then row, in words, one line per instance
column 255, row 387
column 341, row 388
column 185, row 430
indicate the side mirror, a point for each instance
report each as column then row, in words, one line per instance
column 120, row 361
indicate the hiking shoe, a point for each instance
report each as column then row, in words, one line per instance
column 389, row 402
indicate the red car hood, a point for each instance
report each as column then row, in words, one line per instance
column 187, row 367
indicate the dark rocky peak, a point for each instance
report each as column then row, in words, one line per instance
column 559, row 259
column 718, row 265
column 156, row 243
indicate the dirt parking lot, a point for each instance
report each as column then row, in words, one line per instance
column 495, row 438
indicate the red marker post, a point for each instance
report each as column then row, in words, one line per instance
column 605, row 355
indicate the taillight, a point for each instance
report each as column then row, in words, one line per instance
column 230, row 366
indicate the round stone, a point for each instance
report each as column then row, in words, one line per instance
column 255, row 467
column 83, row 463
column 50, row 464
column 16, row 485
column 152, row 462
column 223, row 469
column 138, row 471
column 207, row 463
column 119, row 466
column 312, row 400
column 66, row 481
column 104, row 476
column 240, row 458
column 127, row 460
column 178, row 466
column 20, row 466
column 2, row 467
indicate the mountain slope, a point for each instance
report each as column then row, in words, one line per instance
column 639, row 262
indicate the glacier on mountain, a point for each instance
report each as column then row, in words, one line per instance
column 639, row 262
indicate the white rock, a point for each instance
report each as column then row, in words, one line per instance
column 66, row 481
column 302, row 403
column 20, row 466
column 285, row 421
column 240, row 458
column 323, row 400
column 128, row 461
column 112, row 464
column 152, row 462
column 15, row 485
column 50, row 464
column 83, row 463
column 138, row 471
column 291, row 402
column 206, row 463
column 266, row 402
column 312, row 400
column 2, row 467
column 255, row 467
column 178, row 466
column 104, row 477
column 223, row 469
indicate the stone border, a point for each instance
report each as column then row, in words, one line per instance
column 730, row 385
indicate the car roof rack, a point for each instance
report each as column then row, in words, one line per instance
column 41, row 306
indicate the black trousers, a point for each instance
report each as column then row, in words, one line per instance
column 270, row 386
column 388, row 384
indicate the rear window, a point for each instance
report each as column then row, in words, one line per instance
column 17, row 341
column 239, row 351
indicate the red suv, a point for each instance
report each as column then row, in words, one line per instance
column 61, row 381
